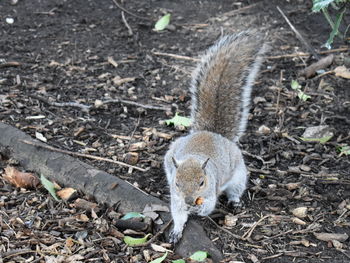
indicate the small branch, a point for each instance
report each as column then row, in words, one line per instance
column 84, row 108
column 128, row 12
column 175, row 56
column 10, row 64
column 303, row 54
column 83, row 155
column 87, row 108
column 247, row 234
column 127, row 25
column 161, row 231
column 224, row 229
column 299, row 36
column 133, row 103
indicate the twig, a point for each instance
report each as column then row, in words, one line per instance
column 83, row 155
column 87, row 108
column 10, row 64
column 130, row 13
column 303, row 54
column 238, row 10
column 127, row 25
column 133, row 103
column 247, row 234
column 175, row 56
column 84, row 108
column 223, row 229
column 161, row 231
column 299, row 36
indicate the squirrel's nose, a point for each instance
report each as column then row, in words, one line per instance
column 189, row 200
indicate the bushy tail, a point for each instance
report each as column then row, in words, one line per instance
column 222, row 84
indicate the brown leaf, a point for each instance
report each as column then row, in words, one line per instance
column 67, row 193
column 84, row 204
column 342, row 71
column 20, row 179
column 331, row 236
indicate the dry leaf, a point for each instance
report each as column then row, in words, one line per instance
column 82, row 218
column 40, row 137
column 331, row 236
column 230, row 220
column 342, row 71
column 292, row 186
column 66, row 193
column 298, row 221
column 119, row 81
column 300, row 212
column 20, row 179
column 158, row 248
column 84, row 204
column 137, row 146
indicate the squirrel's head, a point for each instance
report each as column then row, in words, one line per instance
column 191, row 180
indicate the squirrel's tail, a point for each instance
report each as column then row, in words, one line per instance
column 222, row 84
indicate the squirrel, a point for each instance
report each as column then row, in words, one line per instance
column 207, row 162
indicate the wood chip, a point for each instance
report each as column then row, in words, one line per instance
column 331, row 236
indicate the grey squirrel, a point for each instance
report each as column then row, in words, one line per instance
column 207, row 162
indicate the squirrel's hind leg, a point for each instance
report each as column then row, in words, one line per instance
column 238, row 183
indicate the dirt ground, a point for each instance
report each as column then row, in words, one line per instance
column 82, row 52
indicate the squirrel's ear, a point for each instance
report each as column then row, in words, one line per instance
column 175, row 163
column 205, row 163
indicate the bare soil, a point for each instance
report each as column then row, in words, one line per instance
column 82, row 52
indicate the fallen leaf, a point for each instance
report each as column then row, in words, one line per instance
column 158, row 248
column 298, row 221
column 49, row 186
column 84, row 204
column 300, row 212
column 230, row 220
column 160, row 259
column 331, row 236
column 342, row 71
column 178, row 120
column 132, row 215
column 131, row 241
column 119, row 81
column 199, row 256
column 162, row 23
column 40, row 137
column 20, row 179
column 66, row 193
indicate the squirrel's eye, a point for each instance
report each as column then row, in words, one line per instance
column 201, row 184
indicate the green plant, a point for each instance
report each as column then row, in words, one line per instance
column 340, row 6
column 297, row 87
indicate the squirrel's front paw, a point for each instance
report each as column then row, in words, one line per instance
column 174, row 236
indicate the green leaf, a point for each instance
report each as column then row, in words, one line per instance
column 295, row 85
column 49, row 186
column 335, row 30
column 132, row 215
column 131, row 241
column 322, row 140
column 320, row 4
column 344, row 150
column 178, row 261
column 199, row 256
column 179, row 120
column 162, row 22
column 159, row 260
column 303, row 96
